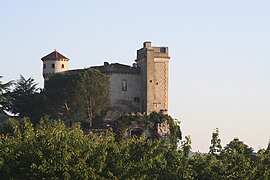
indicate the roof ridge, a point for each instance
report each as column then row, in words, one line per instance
column 54, row 55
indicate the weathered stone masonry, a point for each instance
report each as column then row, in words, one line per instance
column 142, row 87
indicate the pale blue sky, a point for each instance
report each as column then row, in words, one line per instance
column 219, row 67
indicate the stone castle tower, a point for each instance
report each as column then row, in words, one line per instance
column 142, row 87
column 153, row 62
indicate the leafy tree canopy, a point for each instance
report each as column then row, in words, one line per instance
column 51, row 150
column 4, row 88
column 77, row 95
column 26, row 99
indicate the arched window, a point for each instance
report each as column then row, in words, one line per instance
column 136, row 132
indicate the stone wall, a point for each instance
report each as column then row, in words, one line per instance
column 142, row 87
column 50, row 67
column 125, row 92
column 153, row 62
column 161, row 84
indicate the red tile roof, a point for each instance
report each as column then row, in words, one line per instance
column 54, row 55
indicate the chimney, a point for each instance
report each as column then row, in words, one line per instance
column 147, row 44
column 106, row 64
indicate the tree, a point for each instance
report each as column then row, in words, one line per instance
column 239, row 160
column 186, row 146
column 51, row 150
column 4, row 88
column 26, row 100
column 187, row 172
column 59, row 96
column 215, row 143
column 48, row 151
column 81, row 94
column 263, row 163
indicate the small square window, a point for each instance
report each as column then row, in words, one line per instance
column 163, row 50
column 136, row 99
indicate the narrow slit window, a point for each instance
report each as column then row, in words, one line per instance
column 53, row 65
column 63, row 66
column 124, row 85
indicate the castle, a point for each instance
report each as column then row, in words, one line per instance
column 142, row 87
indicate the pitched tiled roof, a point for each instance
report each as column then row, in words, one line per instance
column 54, row 55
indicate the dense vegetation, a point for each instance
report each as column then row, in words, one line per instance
column 49, row 149
column 147, row 121
column 81, row 95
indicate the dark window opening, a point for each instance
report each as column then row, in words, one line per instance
column 150, row 81
column 156, row 83
column 136, row 132
column 53, row 66
column 44, row 66
column 124, row 85
column 136, row 99
column 63, row 66
column 163, row 50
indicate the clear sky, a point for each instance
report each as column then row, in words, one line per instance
column 220, row 58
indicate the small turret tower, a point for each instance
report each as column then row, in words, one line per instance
column 54, row 63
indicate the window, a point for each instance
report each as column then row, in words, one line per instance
column 136, row 99
column 136, row 132
column 63, row 66
column 124, row 85
column 44, row 66
column 53, row 66
column 163, row 50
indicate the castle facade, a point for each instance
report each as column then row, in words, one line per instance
column 142, row 87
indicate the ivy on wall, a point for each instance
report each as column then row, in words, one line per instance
column 151, row 122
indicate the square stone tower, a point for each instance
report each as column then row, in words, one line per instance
column 153, row 62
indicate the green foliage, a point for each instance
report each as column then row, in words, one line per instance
column 50, row 150
column 10, row 126
column 79, row 94
column 137, row 158
column 151, row 122
column 215, row 143
column 25, row 100
column 241, row 160
column 4, row 89
column 186, row 146
column 120, row 125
